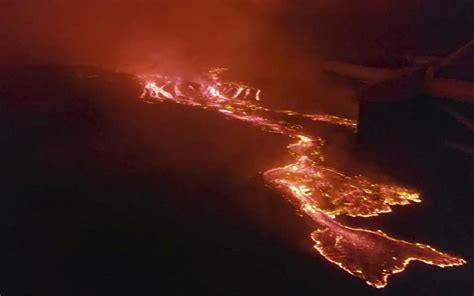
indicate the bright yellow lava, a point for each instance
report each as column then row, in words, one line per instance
column 318, row 191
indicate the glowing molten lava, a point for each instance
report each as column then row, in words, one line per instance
column 319, row 192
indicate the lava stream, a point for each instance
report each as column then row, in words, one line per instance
column 319, row 192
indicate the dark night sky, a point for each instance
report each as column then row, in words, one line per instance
column 170, row 35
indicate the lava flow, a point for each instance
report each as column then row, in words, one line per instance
column 319, row 192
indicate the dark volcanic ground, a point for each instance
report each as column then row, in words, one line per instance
column 105, row 195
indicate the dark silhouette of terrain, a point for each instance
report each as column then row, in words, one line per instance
column 106, row 195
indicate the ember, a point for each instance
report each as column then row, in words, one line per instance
column 318, row 191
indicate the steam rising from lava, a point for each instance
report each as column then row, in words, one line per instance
column 317, row 191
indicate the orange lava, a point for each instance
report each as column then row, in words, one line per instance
column 318, row 191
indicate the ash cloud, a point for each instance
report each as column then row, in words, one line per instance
column 133, row 34
column 173, row 34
